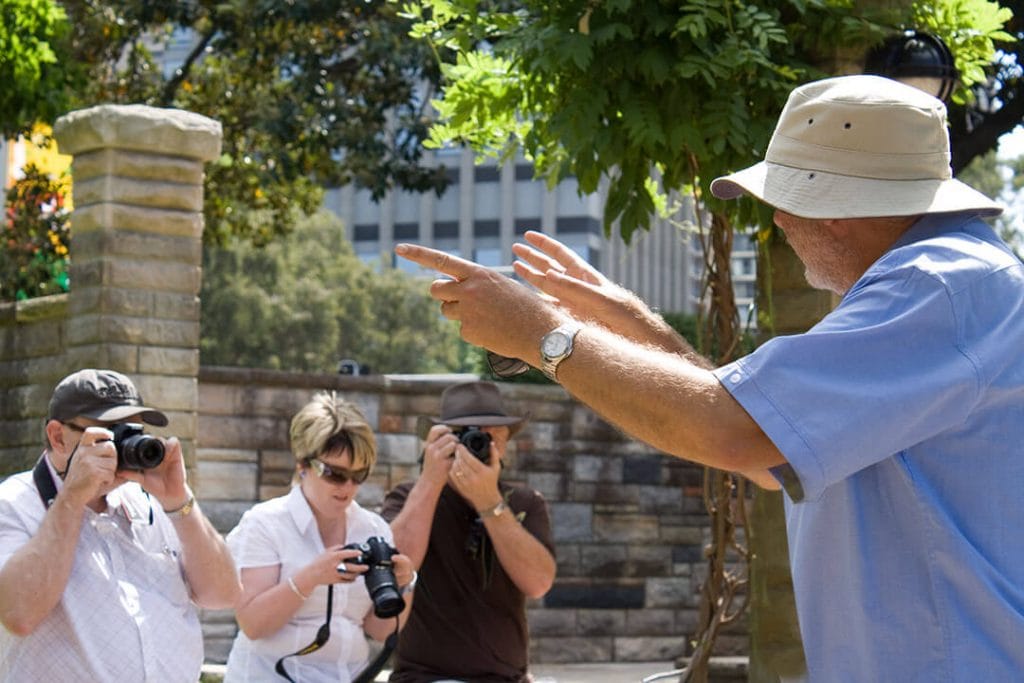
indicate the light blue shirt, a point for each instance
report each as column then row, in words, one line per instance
column 901, row 415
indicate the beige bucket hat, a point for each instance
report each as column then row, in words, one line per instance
column 858, row 147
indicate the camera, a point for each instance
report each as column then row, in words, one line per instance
column 376, row 554
column 135, row 449
column 476, row 441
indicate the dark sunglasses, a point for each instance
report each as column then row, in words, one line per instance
column 338, row 475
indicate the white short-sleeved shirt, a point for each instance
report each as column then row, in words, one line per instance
column 126, row 614
column 283, row 532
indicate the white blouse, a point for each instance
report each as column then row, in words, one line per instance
column 282, row 531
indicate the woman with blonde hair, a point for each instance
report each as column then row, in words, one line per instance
column 295, row 567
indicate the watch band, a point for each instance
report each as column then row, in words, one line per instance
column 184, row 510
column 550, row 363
column 493, row 511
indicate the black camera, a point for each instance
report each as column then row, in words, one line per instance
column 476, row 441
column 135, row 449
column 376, row 554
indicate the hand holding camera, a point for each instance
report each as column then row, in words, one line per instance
column 376, row 555
column 156, row 464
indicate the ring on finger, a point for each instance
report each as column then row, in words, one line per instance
column 342, row 569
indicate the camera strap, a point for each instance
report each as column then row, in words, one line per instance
column 323, row 634
column 44, row 482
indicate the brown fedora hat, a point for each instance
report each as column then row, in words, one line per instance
column 476, row 404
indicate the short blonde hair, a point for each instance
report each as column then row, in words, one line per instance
column 328, row 423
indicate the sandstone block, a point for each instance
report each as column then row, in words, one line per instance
column 161, row 360
column 148, row 193
column 169, row 392
column 648, row 649
column 118, row 217
column 625, row 528
column 172, row 132
column 138, row 165
column 553, row 650
column 226, row 480
column 674, row 591
column 571, row 522
column 398, row 448
column 601, row 622
column 554, row 622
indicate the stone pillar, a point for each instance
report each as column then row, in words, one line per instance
column 137, row 249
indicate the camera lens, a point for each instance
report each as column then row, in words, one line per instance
column 136, row 450
column 476, row 442
column 381, row 585
column 379, row 577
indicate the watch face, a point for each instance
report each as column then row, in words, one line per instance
column 555, row 344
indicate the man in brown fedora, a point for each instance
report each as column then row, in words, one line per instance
column 482, row 546
column 894, row 425
column 104, row 553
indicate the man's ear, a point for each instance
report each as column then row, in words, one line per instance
column 55, row 436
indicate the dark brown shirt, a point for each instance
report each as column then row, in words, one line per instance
column 469, row 619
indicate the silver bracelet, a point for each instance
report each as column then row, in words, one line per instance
column 408, row 588
column 295, row 589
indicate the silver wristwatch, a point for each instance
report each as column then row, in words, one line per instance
column 556, row 346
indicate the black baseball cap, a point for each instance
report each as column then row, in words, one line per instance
column 101, row 395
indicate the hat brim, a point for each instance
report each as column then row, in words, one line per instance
column 513, row 423
column 821, row 195
column 118, row 413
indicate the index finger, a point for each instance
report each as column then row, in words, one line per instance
column 434, row 259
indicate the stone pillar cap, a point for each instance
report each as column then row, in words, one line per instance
column 138, row 127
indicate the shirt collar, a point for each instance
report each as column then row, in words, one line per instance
column 298, row 508
column 933, row 224
column 132, row 501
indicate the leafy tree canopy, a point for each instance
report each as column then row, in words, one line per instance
column 33, row 64
column 306, row 301
column 310, row 93
column 618, row 89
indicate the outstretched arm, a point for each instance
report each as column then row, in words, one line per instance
column 662, row 398
column 586, row 294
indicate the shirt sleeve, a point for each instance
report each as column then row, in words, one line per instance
column 881, row 373
column 252, row 543
column 531, row 510
column 394, row 501
column 16, row 529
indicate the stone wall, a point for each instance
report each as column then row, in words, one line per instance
column 33, row 337
column 629, row 522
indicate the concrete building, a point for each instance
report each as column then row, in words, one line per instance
column 486, row 208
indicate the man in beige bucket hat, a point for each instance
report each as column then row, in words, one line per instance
column 894, row 425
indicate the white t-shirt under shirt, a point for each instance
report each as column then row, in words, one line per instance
column 282, row 531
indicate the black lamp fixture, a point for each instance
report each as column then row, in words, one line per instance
column 916, row 58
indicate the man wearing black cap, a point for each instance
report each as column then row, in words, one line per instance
column 101, row 566
column 482, row 547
